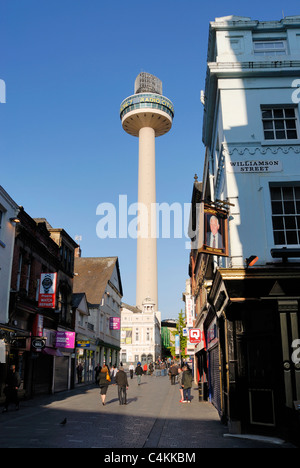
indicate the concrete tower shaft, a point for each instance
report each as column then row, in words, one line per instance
column 147, row 115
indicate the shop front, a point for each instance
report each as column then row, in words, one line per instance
column 252, row 369
column 86, row 359
column 14, row 350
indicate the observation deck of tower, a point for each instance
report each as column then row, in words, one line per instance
column 147, row 114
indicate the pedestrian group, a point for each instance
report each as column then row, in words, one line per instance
column 116, row 376
column 105, row 377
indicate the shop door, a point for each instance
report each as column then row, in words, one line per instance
column 261, row 381
column 214, row 384
column 61, row 376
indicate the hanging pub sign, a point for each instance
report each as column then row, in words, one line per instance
column 47, row 291
column 213, row 231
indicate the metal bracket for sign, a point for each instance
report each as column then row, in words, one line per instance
column 219, row 203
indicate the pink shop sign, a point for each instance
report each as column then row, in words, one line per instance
column 114, row 323
column 65, row 339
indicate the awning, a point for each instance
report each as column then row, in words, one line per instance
column 52, row 352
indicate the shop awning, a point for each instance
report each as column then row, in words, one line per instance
column 52, row 352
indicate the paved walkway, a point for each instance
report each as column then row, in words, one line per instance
column 153, row 418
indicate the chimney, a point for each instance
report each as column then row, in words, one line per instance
column 78, row 252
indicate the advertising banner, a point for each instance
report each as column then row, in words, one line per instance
column 126, row 336
column 65, row 339
column 114, row 323
column 177, row 344
column 47, row 291
column 189, row 311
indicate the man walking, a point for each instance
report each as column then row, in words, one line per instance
column 122, row 382
column 12, row 385
column 139, row 372
column 131, row 369
column 173, row 372
column 187, row 382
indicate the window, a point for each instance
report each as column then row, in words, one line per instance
column 286, row 214
column 264, row 48
column 279, row 123
column 19, row 272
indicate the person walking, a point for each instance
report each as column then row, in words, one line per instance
column 104, row 381
column 180, row 374
column 151, row 368
column 113, row 374
column 122, row 382
column 145, row 368
column 187, row 382
column 12, row 385
column 173, row 372
column 131, row 370
column 139, row 372
column 79, row 373
column 97, row 372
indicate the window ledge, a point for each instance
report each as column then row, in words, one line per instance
column 280, row 142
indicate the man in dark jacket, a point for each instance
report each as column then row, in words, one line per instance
column 173, row 371
column 12, row 385
column 187, row 382
column 122, row 382
column 139, row 372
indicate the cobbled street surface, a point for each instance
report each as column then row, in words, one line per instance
column 153, row 418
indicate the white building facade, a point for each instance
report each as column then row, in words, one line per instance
column 247, row 303
column 8, row 213
column 140, row 334
column 253, row 144
column 100, row 279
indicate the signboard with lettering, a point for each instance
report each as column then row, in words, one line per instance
column 65, row 339
column 83, row 344
column 47, row 291
column 195, row 335
column 114, row 323
column 189, row 311
column 254, row 167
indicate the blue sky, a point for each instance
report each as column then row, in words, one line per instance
column 67, row 65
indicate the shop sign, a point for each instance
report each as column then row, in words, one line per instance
column 189, row 309
column 38, row 343
column 114, row 323
column 65, row 339
column 195, row 336
column 47, row 290
column 83, row 344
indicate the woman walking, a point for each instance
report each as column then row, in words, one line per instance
column 104, row 380
column 180, row 375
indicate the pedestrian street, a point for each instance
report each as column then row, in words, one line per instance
column 152, row 418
